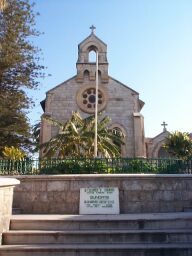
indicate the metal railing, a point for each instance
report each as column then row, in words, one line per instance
column 94, row 165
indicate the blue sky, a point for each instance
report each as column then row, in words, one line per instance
column 149, row 49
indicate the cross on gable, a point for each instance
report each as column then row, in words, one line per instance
column 164, row 126
column 92, row 29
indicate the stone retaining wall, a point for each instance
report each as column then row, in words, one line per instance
column 139, row 193
column 6, row 199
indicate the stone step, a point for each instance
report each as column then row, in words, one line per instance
column 122, row 221
column 139, row 249
column 97, row 236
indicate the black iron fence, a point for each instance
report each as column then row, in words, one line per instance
column 98, row 165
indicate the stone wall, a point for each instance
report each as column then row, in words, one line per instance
column 6, row 199
column 139, row 193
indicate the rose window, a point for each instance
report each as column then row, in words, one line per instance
column 86, row 99
column 89, row 98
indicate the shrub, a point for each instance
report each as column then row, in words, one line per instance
column 136, row 166
column 171, row 167
column 13, row 153
column 73, row 166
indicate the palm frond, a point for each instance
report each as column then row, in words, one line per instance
column 77, row 137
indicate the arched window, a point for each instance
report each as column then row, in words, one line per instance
column 92, row 56
column 86, row 75
column 119, row 130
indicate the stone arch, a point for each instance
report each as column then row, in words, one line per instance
column 91, row 74
column 158, row 150
column 89, row 46
column 91, row 53
column 87, row 49
column 122, row 129
column 99, row 75
column 92, row 56
column 86, row 75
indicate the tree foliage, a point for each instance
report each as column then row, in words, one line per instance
column 76, row 138
column 179, row 144
column 19, row 71
column 36, row 136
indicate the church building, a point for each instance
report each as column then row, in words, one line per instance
column 117, row 100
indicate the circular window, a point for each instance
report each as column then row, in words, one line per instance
column 86, row 99
column 91, row 98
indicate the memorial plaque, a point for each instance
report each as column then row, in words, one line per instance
column 99, row 200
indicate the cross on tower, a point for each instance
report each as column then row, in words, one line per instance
column 92, row 29
column 164, row 126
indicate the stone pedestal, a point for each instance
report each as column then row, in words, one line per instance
column 6, row 199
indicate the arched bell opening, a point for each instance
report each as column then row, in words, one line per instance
column 92, row 56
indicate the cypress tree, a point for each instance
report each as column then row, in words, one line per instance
column 19, row 71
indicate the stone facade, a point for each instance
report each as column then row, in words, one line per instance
column 6, row 199
column 118, row 101
column 59, row 194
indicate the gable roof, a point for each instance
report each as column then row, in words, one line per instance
column 71, row 78
column 89, row 37
column 42, row 103
column 162, row 134
column 127, row 87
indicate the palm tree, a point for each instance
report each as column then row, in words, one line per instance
column 76, row 138
column 179, row 145
column 109, row 141
column 36, row 136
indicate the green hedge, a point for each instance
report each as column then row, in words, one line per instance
column 74, row 166
column 87, row 166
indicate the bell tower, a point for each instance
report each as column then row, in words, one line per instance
column 85, row 64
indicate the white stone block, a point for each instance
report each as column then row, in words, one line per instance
column 101, row 200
